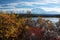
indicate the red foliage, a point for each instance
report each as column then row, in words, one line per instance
column 37, row 32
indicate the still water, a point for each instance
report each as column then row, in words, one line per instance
column 54, row 20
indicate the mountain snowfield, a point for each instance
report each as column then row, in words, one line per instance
column 41, row 11
column 33, row 11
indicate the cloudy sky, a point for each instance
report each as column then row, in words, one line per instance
column 25, row 5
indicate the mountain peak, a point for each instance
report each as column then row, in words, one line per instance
column 37, row 10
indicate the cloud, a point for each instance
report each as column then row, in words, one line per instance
column 28, row 5
column 8, row 1
column 51, row 9
column 49, row 1
column 47, row 5
column 38, row 4
column 23, row 5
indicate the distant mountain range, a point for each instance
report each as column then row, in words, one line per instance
column 37, row 11
column 41, row 11
column 52, row 12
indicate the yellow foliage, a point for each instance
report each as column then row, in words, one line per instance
column 11, row 24
column 27, row 27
